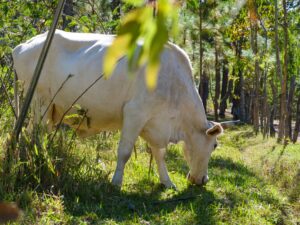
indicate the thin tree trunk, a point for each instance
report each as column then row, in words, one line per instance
column 285, row 71
column 278, row 62
column 218, row 80
column 224, row 95
column 279, row 75
column 242, row 96
column 204, row 89
column 202, row 79
column 288, row 128
column 274, row 108
column 235, row 109
column 253, row 40
column 297, row 125
column 265, row 105
column 239, row 89
column 116, row 12
column 67, row 11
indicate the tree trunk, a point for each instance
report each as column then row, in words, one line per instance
column 235, row 109
column 203, row 80
column 224, row 92
column 265, row 106
column 204, row 89
column 279, row 74
column 242, row 96
column 264, row 102
column 288, row 123
column 253, row 40
column 238, row 101
column 285, row 71
column 218, row 80
column 274, row 108
column 67, row 11
column 116, row 12
column 297, row 125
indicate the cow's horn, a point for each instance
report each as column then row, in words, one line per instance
column 227, row 124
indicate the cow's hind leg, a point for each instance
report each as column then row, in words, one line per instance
column 133, row 122
column 159, row 155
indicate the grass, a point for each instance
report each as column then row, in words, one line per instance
column 252, row 181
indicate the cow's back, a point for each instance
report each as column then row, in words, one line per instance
column 80, row 57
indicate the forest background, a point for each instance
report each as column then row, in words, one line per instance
column 245, row 56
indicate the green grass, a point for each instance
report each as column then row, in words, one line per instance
column 252, row 181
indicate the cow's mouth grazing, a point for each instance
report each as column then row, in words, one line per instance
column 199, row 182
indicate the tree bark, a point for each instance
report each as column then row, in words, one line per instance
column 116, row 12
column 238, row 101
column 204, row 89
column 218, row 80
column 288, row 123
column 235, row 109
column 253, row 40
column 297, row 125
column 224, row 92
column 67, row 11
column 242, row 96
column 285, row 71
column 278, row 62
column 264, row 102
column 279, row 74
column 274, row 108
column 203, row 84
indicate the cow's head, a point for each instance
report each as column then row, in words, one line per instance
column 198, row 150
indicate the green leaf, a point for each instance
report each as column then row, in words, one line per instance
column 152, row 74
column 36, row 151
column 135, row 2
column 114, row 53
column 137, row 25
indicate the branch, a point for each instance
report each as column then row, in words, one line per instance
column 56, row 93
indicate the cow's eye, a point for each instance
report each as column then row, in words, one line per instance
column 215, row 146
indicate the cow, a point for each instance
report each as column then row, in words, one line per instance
column 170, row 113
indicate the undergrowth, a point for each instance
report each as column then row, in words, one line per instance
column 252, row 181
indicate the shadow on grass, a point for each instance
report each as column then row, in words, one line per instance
column 241, row 177
column 97, row 200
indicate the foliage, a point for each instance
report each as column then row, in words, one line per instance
column 139, row 25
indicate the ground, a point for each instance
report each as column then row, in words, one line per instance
column 252, row 181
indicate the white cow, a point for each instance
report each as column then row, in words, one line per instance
column 172, row 112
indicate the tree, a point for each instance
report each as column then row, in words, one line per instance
column 253, row 40
column 226, row 89
column 67, row 11
column 116, row 13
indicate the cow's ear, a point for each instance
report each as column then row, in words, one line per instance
column 216, row 129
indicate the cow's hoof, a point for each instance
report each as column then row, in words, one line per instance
column 116, row 182
column 169, row 185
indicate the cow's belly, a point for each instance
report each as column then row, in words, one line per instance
column 87, row 120
column 102, row 102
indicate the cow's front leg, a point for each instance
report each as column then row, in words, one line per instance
column 132, row 125
column 159, row 155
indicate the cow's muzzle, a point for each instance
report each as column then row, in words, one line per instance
column 199, row 182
